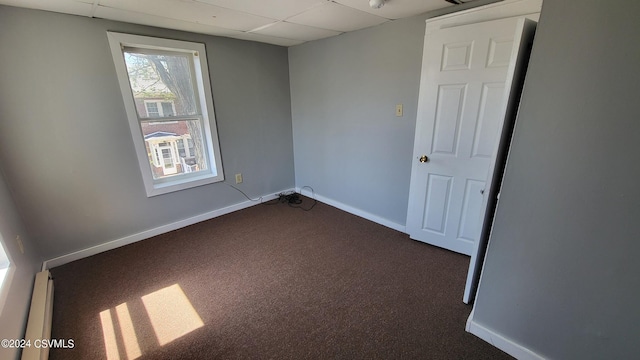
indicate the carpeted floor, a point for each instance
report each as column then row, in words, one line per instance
column 268, row 282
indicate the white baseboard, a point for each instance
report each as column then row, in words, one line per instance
column 355, row 211
column 507, row 345
column 61, row 260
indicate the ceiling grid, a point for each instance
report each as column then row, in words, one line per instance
column 279, row 22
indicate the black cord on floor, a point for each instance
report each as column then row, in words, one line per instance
column 293, row 199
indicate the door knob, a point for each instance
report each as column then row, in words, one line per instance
column 423, row 158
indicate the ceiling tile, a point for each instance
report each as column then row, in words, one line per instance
column 192, row 11
column 267, row 39
column 336, row 17
column 280, row 22
column 396, row 9
column 61, row 6
column 152, row 20
column 275, row 9
column 295, row 31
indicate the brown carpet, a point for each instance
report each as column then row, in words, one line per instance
column 269, row 282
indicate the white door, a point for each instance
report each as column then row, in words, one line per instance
column 168, row 158
column 463, row 91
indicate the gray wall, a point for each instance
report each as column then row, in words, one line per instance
column 19, row 282
column 348, row 144
column 561, row 273
column 65, row 145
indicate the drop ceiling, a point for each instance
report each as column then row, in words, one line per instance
column 279, row 22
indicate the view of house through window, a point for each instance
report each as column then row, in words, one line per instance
column 170, row 111
column 163, row 90
column 159, row 108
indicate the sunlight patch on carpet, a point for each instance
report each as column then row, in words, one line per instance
column 171, row 313
column 118, row 337
column 110, row 341
column 131, row 346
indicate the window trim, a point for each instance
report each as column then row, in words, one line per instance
column 117, row 42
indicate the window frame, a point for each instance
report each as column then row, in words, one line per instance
column 214, row 173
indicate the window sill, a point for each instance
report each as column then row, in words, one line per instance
column 182, row 184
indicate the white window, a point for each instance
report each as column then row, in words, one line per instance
column 159, row 108
column 5, row 272
column 167, row 95
column 4, row 263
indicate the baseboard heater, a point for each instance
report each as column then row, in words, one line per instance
column 40, row 317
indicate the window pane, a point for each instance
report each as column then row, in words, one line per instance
column 167, row 109
column 165, row 142
column 164, row 77
column 152, row 109
column 4, row 259
column 4, row 264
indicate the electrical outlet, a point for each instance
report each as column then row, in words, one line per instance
column 399, row 110
column 20, row 244
column 238, row 178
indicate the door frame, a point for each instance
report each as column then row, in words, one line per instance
column 494, row 11
column 500, row 10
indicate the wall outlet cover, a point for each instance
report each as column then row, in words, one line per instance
column 399, row 110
